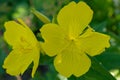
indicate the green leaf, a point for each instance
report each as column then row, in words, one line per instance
column 99, row 68
column 101, row 26
column 111, row 58
column 2, row 57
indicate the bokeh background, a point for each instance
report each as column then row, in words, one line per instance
column 106, row 20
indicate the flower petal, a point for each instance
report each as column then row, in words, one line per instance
column 35, row 62
column 54, row 39
column 16, row 33
column 13, row 32
column 74, row 18
column 93, row 43
column 17, row 62
column 72, row 61
column 26, row 48
column 28, row 31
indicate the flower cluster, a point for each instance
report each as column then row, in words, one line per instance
column 70, row 40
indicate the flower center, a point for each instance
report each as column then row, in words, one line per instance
column 70, row 38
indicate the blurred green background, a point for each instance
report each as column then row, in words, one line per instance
column 106, row 20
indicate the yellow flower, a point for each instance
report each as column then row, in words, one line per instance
column 71, row 40
column 25, row 47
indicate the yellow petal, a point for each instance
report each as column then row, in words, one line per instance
column 54, row 39
column 26, row 48
column 93, row 43
column 29, row 34
column 13, row 32
column 16, row 34
column 72, row 61
column 17, row 62
column 35, row 62
column 74, row 18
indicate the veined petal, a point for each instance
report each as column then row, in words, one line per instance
column 54, row 39
column 35, row 62
column 17, row 62
column 31, row 37
column 13, row 32
column 72, row 61
column 93, row 43
column 74, row 18
column 16, row 34
column 26, row 48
